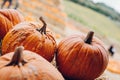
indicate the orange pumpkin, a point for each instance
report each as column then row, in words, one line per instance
column 114, row 66
column 32, row 38
column 8, row 18
column 80, row 58
column 26, row 65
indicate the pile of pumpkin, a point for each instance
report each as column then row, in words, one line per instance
column 29, row 47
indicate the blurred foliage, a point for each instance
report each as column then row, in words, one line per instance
column 91, row 19
column 100, row 7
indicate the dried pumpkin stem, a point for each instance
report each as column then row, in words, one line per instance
column 43, row 29
column 89, row 37
column 17, row 58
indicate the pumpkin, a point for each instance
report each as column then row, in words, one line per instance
column 81, row 58
column 26, row 65
column 114, row 66
column 33, row 37
column 8, row 18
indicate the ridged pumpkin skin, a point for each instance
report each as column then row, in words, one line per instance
column 25, row 34
column 77, row 60
column 8, row 18
column 35, row 68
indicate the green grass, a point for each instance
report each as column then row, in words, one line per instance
column 95, row 21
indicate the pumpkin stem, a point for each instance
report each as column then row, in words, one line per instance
column 17, row 58
column 43, row 29
column 89, row 37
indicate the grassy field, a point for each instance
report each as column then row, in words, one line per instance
column 93, row 20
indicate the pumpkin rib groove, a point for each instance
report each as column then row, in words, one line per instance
column 6, row 17
column 5, row 22
column 28, row 40
column 82, row 54
column 100, row 62
column 9, row 18
column 12, row 38
column 103, row 57
column 70, row 53
column 89, row 66
column 75, row 60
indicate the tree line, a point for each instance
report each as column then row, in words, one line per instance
column 100, row 7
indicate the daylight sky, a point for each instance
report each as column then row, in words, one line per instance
column 112, row 3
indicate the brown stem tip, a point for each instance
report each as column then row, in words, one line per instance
column 89, row 37
column 17, row 58
column 43, row 29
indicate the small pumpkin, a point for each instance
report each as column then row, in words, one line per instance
column 81, row 58
column 33, row 37
column 8, row 18
column 26, row 65
column 114, row 66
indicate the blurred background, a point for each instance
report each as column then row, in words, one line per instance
column 67, row 17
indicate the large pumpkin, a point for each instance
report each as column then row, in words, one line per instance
column 32, row 38
column 26, row 65
column 80, row 58
column 8, row 18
